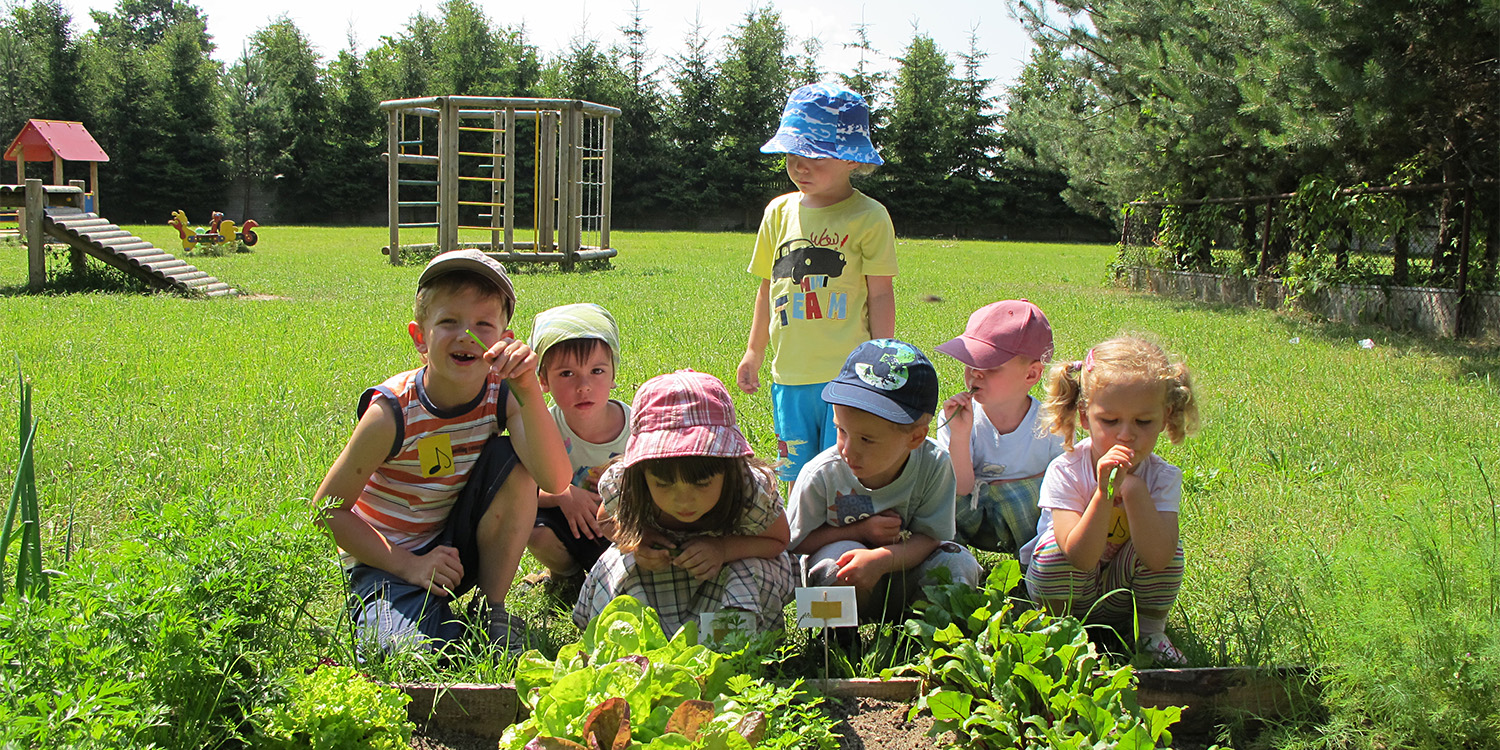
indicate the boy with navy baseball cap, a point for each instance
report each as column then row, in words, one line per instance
column 876, row 510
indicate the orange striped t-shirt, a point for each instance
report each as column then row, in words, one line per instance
column 410, row 495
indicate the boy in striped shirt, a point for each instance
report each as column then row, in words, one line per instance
column 428, row 499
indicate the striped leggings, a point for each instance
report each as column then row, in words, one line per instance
column 1113, row 593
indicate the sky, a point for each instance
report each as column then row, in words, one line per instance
column 552, row 24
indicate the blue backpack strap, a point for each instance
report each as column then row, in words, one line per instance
column 368, row 397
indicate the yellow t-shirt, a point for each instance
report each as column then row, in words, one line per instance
column 817, row 260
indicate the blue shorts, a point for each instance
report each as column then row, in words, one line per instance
column 804, row 426
column 392, row 614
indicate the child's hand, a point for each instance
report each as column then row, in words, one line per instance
column 747, row 375
column 862, row 568
column 439, row 571
column 510, row 358
column 880, row 529
column 1117, row 457
column 655, row 552
column 958, row 413
column 581, row 508
column 701, row 557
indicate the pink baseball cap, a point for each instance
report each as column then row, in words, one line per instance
column 999, row 331
column 683, row 413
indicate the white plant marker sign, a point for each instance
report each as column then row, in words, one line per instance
column 826, row 607
column 714, row 627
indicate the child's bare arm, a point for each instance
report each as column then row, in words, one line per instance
column 704, row 556
column 1152, row 532
column 863, row 568
column 533, row 431
column 367, row 448
column 875, row 531
column 882, row 303
column 959, row 413
column 747, row 375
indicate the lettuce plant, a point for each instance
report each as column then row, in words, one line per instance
column 627, row 685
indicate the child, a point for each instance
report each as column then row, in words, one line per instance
column 696, row 520
column 579, row 346
column 427, row 499
column 876, row 510
column 825, row 255
column 999, row 451
column 1125, row 393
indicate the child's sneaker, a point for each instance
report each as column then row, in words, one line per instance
column 505, row 631
column 1160, row 648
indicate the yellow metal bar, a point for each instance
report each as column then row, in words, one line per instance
column 479, row 153
column 481, row 130
column 480, row 203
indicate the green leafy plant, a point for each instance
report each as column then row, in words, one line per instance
column 1003, row 676
column 337, row 708
column 626, row 685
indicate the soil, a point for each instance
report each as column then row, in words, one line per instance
column 863, row 723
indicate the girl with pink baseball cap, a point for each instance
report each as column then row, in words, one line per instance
column 696, row 519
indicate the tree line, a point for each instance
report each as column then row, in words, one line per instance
column 305, row 133
column 1166, row 98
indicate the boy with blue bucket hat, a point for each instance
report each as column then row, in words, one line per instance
column 826, row 255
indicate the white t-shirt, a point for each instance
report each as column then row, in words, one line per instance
column 827, row 493
column 1070, row 483
column 1018, row 454
column 588, row 459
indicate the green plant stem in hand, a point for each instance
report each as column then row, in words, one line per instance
column 486, row 348
column 1114, row 482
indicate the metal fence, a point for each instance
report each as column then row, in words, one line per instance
column 1420, row 257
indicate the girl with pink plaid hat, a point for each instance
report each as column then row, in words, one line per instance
column 696, row 519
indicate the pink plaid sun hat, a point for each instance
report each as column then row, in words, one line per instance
column 683, row 413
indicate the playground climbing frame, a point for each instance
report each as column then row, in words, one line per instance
column 455, row 164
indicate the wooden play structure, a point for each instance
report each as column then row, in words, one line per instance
column 70, row 213
column 456, row 164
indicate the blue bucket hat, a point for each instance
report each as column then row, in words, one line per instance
column 825, row 121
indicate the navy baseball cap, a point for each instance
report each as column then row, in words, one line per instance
column 888, row 378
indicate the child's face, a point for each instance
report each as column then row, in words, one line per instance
column 1132, row 414
column 825, row 179
column 685, row 501
column 581, row 388
column 875, row 448
column 451, row 354
column 1008, row 382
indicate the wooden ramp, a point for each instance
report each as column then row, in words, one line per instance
column 96, row 236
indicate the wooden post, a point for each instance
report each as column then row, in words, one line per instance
column 546, row 179
column 568, row 219
column 393, row 182
column 498, row 155
column 606, row 198
column 94, row 186
column 21, row 180
column 447, row 174
column 510, row 179
column 36, row 248
column 1264, row 271
column 75, row 256
column 57, row 175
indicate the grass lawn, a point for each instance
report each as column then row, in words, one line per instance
column 1340, row 502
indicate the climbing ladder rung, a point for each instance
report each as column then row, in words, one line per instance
column 146, row 260
column 474, row 129
column 480, row 153
column 416, row 182
column 467, row 178
column 143, row 252
column 418, row 225
column 480, row 203
column 188, row 276
column 417, row 142
column 83, row 222
column 416, row 203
